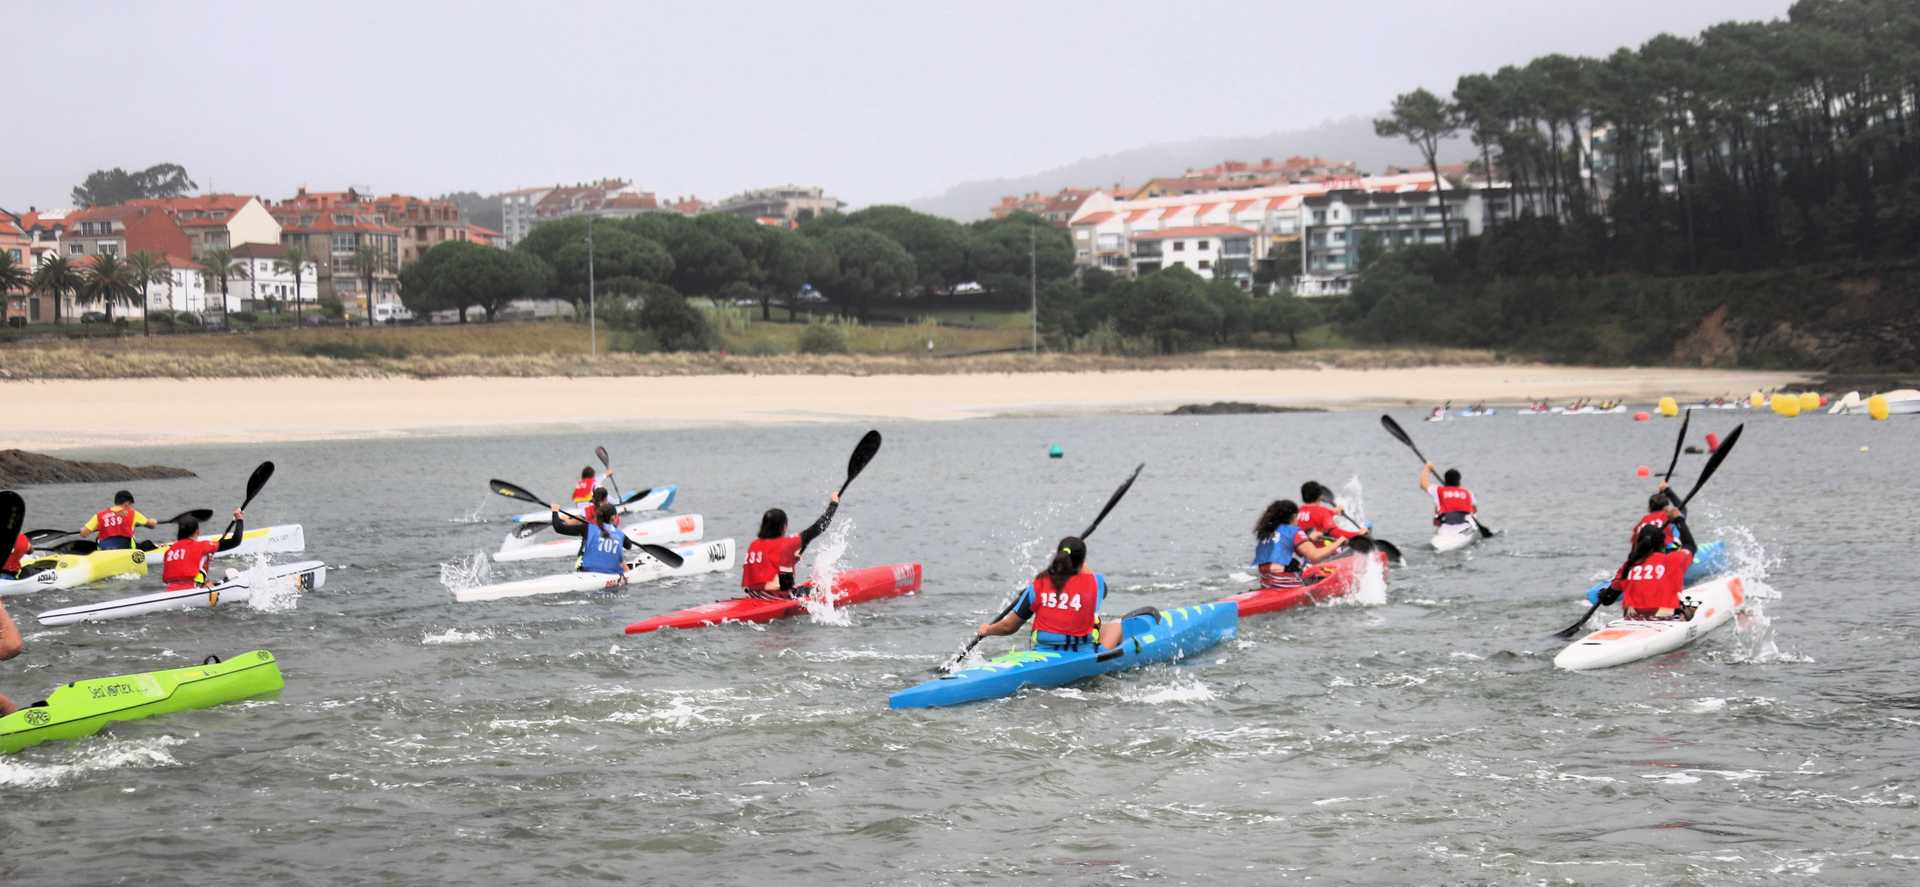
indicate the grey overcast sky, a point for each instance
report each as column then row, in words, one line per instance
column 879, row 102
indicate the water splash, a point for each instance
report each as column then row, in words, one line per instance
column 829, row 558
column 474, row 571
column 1754, row 639
column 273, row 595
column 1184, row 688
column 1353, row 500
column 141, row 753
column 1370, row 589
column 456, row 636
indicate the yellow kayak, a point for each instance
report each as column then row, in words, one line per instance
column 74, row 570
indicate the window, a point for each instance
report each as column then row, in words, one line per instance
column 342, row 220
column 1204, row 264
column 76, row 249
column 14, row 253
column 1199, row 244
column 1179, row 246
column 343, row 243
column 1319, row 217
column 306, row 220
column 219, row 214
column 110, row 249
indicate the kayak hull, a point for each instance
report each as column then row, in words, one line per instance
column 850, row 587
column 705, row 557
column 660, row 499
column 237, row 589
column 1147, row 638
column 545, row 544
column 1453, row 537
column 82, row 708
column 1631, row 640
column 1321, row 582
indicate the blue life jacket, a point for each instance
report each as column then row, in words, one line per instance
column 601, row 553
column 1278, row 548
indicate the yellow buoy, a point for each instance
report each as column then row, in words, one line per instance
column 1669, row 408
column 1877, row 407
column 1756, row 400
column 1809, row 401
column 1786, row 405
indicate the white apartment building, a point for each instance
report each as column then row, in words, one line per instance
column 517, row 215
column 1207, row 250
column 185, row 289
column 269, row 283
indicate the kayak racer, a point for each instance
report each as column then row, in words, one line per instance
column 1322, row 517
column 602, row 545
column 1281, row 546
column 597, row 504
column 1452, row 503
column 1648, row 585
column 767, row 570
column 21, row 548
column 1663, row 510
column 10, row 646
column 583, row 490
column 185, row 563
column 114, row 526
column 1064, row 604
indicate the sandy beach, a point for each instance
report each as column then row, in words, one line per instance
column 65, row 414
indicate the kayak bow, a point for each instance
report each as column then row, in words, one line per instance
column 851, row 587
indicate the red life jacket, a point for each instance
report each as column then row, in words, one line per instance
column 114, row 523
column 1451, row 499
column 20, row 548
column 587, row 510
column 1069, row 610
column 766, row 559
column 1652, row 518
column 583, row 491
column 180, row 568
column 1655, row 583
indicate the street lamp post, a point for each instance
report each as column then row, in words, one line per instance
column 593, row 330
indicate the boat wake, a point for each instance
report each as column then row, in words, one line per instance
column 456, row 636
column 1184, row 688
column 92, row 758
column 473, row 572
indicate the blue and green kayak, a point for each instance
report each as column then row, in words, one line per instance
column 82, row 708
column 1154, row 636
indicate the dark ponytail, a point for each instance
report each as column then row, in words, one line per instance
column 1277, row 515
column 773, row 524
column 1068, row 557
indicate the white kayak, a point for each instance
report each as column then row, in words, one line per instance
column 1631, row 640
column 238, row 587
column 281, row 539
column 1475, row 414
column 50, row 571
column 705, row 557
column 658, row 499
column 538, row 544
column 1453, row 537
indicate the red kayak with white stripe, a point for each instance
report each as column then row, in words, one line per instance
column 1317, row 584
column 850, row 587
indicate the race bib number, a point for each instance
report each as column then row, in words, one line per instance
column 1055, row 600
column 1647, row 572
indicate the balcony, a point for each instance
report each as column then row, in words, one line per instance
column 1149, row 250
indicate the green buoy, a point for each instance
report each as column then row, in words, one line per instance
column 1054, row 452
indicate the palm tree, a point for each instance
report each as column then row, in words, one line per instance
column 220, row 263
column 295, row 263
column 56, row 277
column 144, row 268
column 369, row 260
column 108, row 280
column 13, row 275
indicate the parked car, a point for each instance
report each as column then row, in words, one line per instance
column 94, row 317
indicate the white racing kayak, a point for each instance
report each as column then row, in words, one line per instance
column 705, row 557
column 238, row 587
column 1631, row 640
column 48, row 571
column 1453, row 537
column 538, row 544
column 658, row 499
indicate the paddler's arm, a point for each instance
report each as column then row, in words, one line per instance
column 231, row 541
column 566, row 525
column 1011, row 622
column 1686, row 535
column 1313, row 552
column 820, row 526
column 141, row 520
column 1426, row 477
column 10, row 643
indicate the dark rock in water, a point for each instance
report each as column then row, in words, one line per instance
column 19, row 468
column 1234, row 408
column 1692, row 450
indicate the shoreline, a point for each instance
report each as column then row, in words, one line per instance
column 95, row 414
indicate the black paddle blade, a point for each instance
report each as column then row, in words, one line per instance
column 601, row 454
column 255, row 484
column 663, row 554
column 1115, row 500
column 525, row 531
column 863, row 452
column 1486, row 532
column 39, row 535
column 1713, row 463
column 1679, row 444
column 200, row 514
column 514, row 491
column 1571, row 630
column 13, row 515
column 1399, row 433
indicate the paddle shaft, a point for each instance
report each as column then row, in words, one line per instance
column 612, row 484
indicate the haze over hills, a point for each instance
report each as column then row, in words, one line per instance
column 1349, row 138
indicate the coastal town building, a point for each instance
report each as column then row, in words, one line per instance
column 424, row 224
column 1240, row 175
column 485, row 237
column 516, row 213
column 785, row 205
column 184, row 290
column 1315, row 226
column 18, row 248
column 605, row 199
column 270, row 283
column 43, row 229
column 688, row 205
column 1056, row 208
column 218, row 221
column 331, row 227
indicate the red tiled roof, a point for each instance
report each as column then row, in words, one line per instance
column 1197, row 231
column 1203, row 209
column 483, row 231
column 203, row 223
column 1136, row 215
column 1094, row 218
column 1240, row 206
column 197, row 203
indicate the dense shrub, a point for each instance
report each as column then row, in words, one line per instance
column 823, row 338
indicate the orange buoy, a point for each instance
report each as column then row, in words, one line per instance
column 1642, row 416
column 1643, row 471
column 1713, row 441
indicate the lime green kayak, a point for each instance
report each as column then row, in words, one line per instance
column 82, row 708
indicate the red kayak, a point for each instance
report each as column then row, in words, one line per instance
column 850, row 587
column 1318, row 583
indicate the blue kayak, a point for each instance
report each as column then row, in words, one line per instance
column 1149, row 637
column 1709, row 560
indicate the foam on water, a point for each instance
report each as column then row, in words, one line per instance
column 456, row 636
column 1184, row 688
column 273, row 595
column 1754, row 639
column 829, row 558
column 16, row 772
column 474, row 571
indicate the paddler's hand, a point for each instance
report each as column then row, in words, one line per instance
column 835, row 498
column 239, row 515
column 1608, row 596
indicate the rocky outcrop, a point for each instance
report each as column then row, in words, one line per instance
column 19, row 468
column 1234, row 408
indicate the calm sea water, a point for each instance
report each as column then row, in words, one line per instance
column 1422, row 737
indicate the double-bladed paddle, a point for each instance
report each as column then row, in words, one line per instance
column 512, row 490
column 1713, row 463
column 863, row 453
column 13, row 515
column 1399, row 433
column 1111, row 501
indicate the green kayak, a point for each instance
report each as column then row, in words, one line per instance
column 82, row 708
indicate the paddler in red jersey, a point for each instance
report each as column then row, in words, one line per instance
column 1663, row 511
column 21, row 547
column 1318, row 516
column 1064, row 604
column 1648, row 585
column 583, row 491
column 767, row 570
column 1452, row 503
column 596, row 505
column 185, row 564
column 115, row 525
